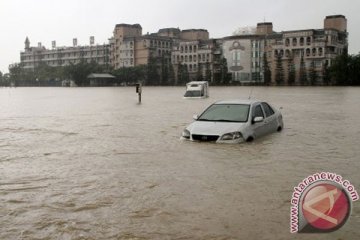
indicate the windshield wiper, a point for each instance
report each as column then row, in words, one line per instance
column 224, row 120
column 204, row 119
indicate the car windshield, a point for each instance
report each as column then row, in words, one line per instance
column 226, row 113
column 193, row 94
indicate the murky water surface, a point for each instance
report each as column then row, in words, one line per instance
column 91, row 163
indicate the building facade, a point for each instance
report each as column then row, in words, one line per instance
column 316, row 48
column 310, row 51
column 290, row 55
column 33, row 57
column 244, row 57
column 201, row 58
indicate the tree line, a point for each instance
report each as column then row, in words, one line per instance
column 344, row 71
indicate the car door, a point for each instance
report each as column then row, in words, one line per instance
column 270, row 123
column 258, row 127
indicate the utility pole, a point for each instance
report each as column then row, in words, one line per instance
column 138, row 90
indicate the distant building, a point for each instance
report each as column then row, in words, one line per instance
column 317, row 47
column 244, row 57
column 200, row 57
column 191, row 47
column 32, row 57
column 303, row 53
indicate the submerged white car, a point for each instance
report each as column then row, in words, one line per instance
column 234, row 121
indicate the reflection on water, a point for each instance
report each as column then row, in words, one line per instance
column 91, row 163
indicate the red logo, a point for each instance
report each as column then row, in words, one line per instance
column 325, row 207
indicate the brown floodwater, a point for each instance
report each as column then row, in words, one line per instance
column 92, row 163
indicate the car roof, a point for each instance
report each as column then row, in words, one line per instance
column 237, row 101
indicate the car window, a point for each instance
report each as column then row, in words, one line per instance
column 268, row 110
column 258, row 112
column 226, row 113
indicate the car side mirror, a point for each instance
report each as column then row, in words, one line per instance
column 195, row 117
column 258, row 119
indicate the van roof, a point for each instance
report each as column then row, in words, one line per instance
column 197, row 82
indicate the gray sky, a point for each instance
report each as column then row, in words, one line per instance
column 62, row 20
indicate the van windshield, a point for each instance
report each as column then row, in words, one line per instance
column 226, row 113
column 193, row 94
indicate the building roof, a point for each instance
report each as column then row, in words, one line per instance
column 100, row 75
column 128, row 25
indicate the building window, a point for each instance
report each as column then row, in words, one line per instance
column 301, row 41
column 307, row 52
column 320, row 51
column 314, row 51
column 287, row 42
column 236, row 58
column 287, row 53
column 294, row 42
column 308, row 40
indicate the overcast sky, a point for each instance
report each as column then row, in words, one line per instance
column 62, row 20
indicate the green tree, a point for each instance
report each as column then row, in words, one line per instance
column 313, row 76
column 224, row 73
column 339, row 70
column 18, row 75
column 354, row 70
column 79, row 72
column 326, row 75
column 153, row 76
column 302, row 72
column 183, row 74
column 291, row 71
column 164, row 78
column 208, row 72
column 6, row 79
column 199, row 73
column 267, row 71
column 279, row 71
column 171, row 75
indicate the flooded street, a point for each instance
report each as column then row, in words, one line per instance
column 92, row 163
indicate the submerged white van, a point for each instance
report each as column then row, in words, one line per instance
column 197, row 89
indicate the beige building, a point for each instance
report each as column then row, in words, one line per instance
column 32, row 57
column 193, row 49
column 317, row 47
column 198, row 56
column 122, row 45
column 190, row 47
column 244, row 57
